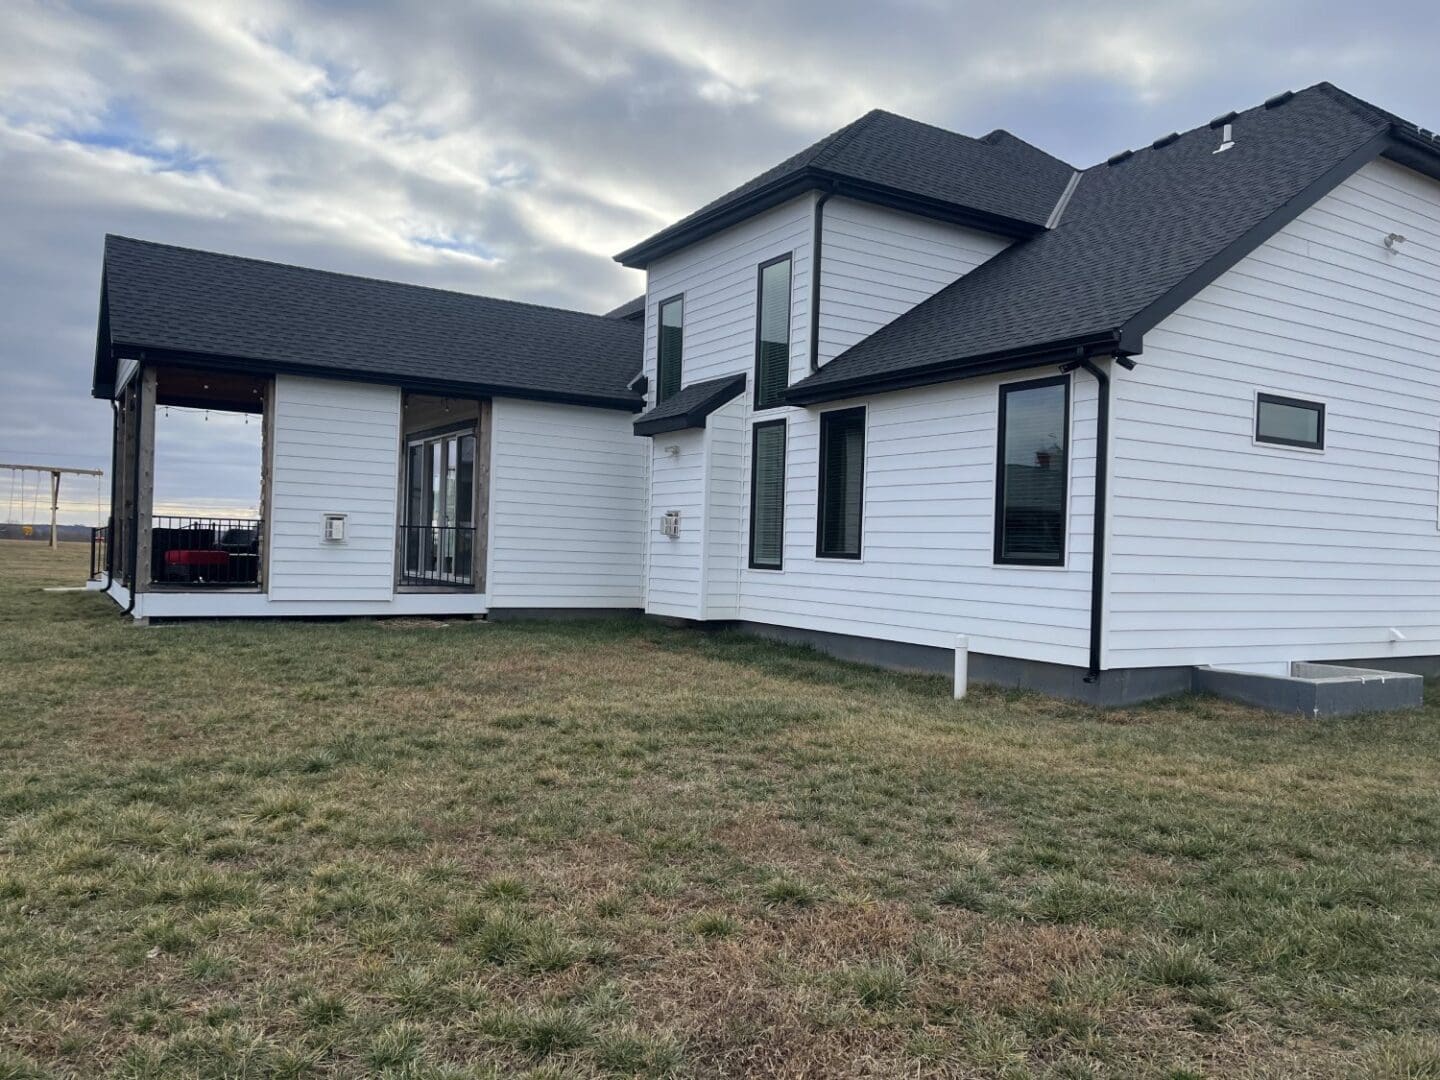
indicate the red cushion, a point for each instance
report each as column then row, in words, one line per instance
column 197, row 558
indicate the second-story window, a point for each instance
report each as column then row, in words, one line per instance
column 772, row 333
column 671, row 345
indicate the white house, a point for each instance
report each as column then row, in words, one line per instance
column 1177, row 410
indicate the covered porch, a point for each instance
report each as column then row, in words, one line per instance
column 345, row 497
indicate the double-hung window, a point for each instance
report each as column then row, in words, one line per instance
column 842, row 483
column 670, row 348
column 1032, row 463
column 772, row 333
column 767, row 496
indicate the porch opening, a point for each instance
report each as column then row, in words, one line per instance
column 206, row 525
column 440, row 541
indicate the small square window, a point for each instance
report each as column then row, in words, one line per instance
column 1284, row 421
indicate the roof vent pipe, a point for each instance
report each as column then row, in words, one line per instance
column 1226, row 142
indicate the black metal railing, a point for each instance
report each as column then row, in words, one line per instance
column 99, row 542
column 205, row 552
column 437, row 555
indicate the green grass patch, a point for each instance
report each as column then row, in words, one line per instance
column 355, row 849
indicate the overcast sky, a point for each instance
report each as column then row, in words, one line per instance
column 511, row 148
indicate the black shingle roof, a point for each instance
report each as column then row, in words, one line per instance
column 634, row 310
column 999, row 180
column 1137, row 232
column 689, row 407
column 265, row 315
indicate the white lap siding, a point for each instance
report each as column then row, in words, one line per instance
column 676, row 563
column 877, row 265
column 927, row 571
column 1227, row 551
column 567, row 507
column 335, row 451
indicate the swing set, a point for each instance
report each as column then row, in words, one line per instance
column 26, row 493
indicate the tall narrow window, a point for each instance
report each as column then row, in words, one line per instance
column 1030, row 475
column 767, row 496
column 671, row 345
column 772, row 333
column 842, row 483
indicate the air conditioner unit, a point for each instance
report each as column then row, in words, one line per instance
column 334, row 531
column 670, row 524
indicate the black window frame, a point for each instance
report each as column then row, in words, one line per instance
column 755, row 430
column 788, row 257
column 827, row 418
column 1318, row 407
column 1005, row 389
column 660, row 395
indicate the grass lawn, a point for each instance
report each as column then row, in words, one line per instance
column 414, row 850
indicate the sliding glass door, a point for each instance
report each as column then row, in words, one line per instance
column 439, row 530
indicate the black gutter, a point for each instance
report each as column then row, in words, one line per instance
column 134, row 537
column 1098, row 518
column 114, row 479
column 440, row 387
column 817, row 241
column 998, row 363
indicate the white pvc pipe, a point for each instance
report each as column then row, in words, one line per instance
column 962, row 666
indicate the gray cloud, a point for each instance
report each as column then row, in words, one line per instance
column 510, row 149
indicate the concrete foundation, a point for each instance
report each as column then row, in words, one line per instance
column 1127, row 686
column 514, row 613
column 1308, row 689
column 1316, row 690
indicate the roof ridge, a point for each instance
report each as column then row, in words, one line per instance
column 355, row 277
column 845, row 135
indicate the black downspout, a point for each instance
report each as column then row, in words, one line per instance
column 1098, row 520
column 816, row 243
column 134, row 537
column 110, row 520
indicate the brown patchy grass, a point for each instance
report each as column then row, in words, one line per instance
column 412, row 849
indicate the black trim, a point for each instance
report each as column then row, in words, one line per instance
column 1134, row 329
column 788, row 187
column 640, row 384
column 826, row 419
column 1415, row 151
column 788, row 257
column 1317, row 407
column 1003, row 391
column 817, row 244
column 754, row 488
column 725, row 390
column 996, row 363
column 441, row 388
column 660, row 395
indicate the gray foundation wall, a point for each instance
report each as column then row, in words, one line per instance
column 1312, row 690
column 1122, row 687
column 562, row 613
